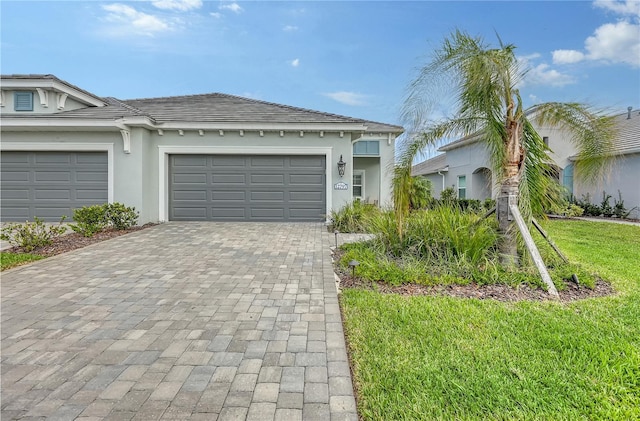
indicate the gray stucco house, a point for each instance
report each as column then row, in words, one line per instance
column 465, row 165
column 198, row 157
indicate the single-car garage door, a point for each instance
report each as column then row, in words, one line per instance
column 51, row 184
column 247, row 188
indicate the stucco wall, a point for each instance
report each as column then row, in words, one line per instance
column 463, row 162
column 136, row 175
column 371, row 168
column 625, row 176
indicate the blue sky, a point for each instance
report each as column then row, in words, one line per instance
column 354, row 58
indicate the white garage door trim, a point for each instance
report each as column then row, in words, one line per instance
column 165, row 151
column 68, row 147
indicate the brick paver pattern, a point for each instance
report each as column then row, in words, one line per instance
column 202, row 321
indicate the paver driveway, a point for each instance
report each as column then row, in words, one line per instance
column 179, row 321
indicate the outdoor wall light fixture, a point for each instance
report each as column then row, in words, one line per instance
column 341, row 167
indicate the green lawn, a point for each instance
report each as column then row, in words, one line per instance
column 447, row 358
column 9, row 260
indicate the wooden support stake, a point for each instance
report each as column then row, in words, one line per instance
column 549, row 240
column 533, row 250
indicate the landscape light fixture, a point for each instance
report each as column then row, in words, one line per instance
column 336, row 234
column 341, row 167
column 352, row 265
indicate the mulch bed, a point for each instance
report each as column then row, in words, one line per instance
column 73, row 240
column 498, row 292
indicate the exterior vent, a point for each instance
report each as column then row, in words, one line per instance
column 23, row 101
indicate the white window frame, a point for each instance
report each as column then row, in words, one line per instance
column 465, row 186
column 353, row 184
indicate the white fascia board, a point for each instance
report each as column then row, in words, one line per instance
column 306, row 127
column 52, row 123
column 54, row 85
column 576, row 157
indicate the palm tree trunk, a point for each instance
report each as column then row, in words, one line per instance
column 509, row 190
column 506, row 225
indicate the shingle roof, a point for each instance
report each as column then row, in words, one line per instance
column 218, row 108
column 430, row 166
column 628, row 138
column 204, row 108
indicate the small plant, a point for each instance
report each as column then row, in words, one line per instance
column 605, row 206
column 89, row 220
column 448, row 196
column 589, row 209
column 420, row 193
column 120, row 216
column 619, row 210
column 569, row 210
column 31, row 235
column 352, row 217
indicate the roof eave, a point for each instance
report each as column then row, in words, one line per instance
column 55, row 85
column 306, row 127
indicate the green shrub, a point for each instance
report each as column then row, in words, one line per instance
column 121, row 217
column 89, row 220
column 448, row 196
column 589, row 209
column 448, row 232
column 353, row 217
column 32, row 235
column 567, row 209
column 420, row 193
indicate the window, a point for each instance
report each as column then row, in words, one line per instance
column 545, row 139
column 567, row 178
column 462, row 187
column 23, row 101
column 358, row 184
column 366, row 147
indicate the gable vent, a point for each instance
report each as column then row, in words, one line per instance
column 23, row 101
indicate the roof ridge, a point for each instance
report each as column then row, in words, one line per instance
column 253, row 100
column 129, row 107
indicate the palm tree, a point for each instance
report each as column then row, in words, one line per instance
column 485, row 83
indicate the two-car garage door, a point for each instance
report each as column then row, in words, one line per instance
column 48, row 184
column 247, row 188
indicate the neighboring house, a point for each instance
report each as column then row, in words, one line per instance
column 465, row 166
column 199, row 157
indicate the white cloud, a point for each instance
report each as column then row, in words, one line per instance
column 348, row 98
column 567, row 56
column 542, row 74
column 181, row 5
column 617, row 42
column 628, row 7
column 234, row 7
column 295, row 62
column 216, row 15
column 290, row 28
column 131, row 20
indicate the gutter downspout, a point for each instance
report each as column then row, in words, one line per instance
column 442, row 175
